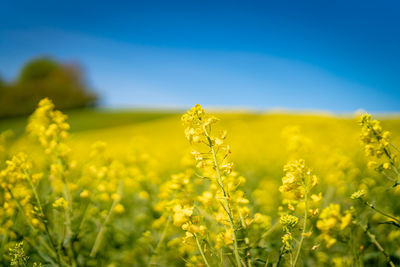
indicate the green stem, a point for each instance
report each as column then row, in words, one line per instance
column 378, row 137
column 52, row 250
column 304, row 228
column 280, row 256
column 164, row 232
column 28, row 178
column 353, row 250
column 226, row 202
column 381, row 212
column 67, row 195
column 377, row 244
column 100, row 235
column 395, row 147
column 42, row 214
column 83, row 218
column 68, row 198
column 270, row 230
column 201, row 250
column 247, row 242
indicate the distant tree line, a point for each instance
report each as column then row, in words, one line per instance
column 64, row 84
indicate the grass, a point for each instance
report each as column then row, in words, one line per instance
column 92, row 119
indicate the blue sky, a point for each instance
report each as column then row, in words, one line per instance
column 337, row 56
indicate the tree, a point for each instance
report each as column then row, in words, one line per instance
column 45, row 77
column 38, row 69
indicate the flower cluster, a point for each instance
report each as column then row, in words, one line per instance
column 331, row 222
column 60, row 203
column 213, row 160
column 377, row 144
column 105, row 171
column 212, row 157
column 198, row 124
column 177, row 204
column 182, row 204
column 49, row 126
column 297, row 184
column 376, row 141
column 18, row 256
column 19, row 184
column 298, row 180
column 288, row 223
column 358, row 195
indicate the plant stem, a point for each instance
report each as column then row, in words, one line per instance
column 356, row 257
column 53, row 249
column 226, row 202
column 395, row 147
column 377, row 244
column 100, row 235
column 201, row 250
column 164, row 232
column 68, row 198
column 280, row 256
column 270, row 230
column 304, row 227
column 380, row 212
column 67, row 195
column 42, row 214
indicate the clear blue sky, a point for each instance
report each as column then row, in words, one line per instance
column 321, row 55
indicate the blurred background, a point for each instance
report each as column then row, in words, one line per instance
column 333, row 56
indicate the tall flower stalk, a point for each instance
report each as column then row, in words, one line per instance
column 212, row 157
column 377, row 145
column 227, row 206
column 296, row 187
column 16, row 179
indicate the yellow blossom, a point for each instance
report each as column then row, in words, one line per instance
column 60, row 202
column 119, row 209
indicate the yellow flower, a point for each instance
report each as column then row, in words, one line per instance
column 376, row 142
column 386, row 166
column 194, row 228
column 225, row 238
column 287, row 240
column 206, row 198
column 372, row 164
column 329, row 240
column 346, row 220
column 297, row 180
column 316, row 198
column 50, row 128
column 181, row 214
column 288, row 222
column 262, row 220
column 84, row 194
column 144, row 195
column 115, row 196
column 60, row 202
column 358, row 194
column 196, row 120
column 119, row 209
column 35, row 222
column 331, row 221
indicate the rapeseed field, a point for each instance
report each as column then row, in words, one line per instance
column 201, row 188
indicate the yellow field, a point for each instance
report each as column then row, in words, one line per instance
column 139, row 197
